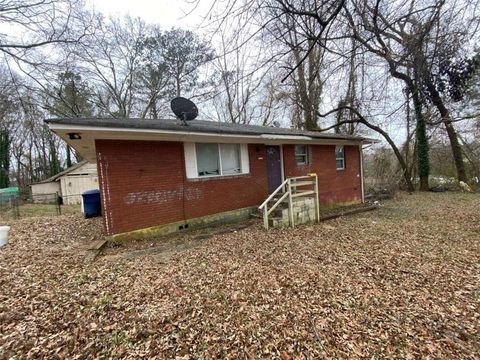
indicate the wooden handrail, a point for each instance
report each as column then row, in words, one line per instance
column 274, row 193
column 303, row 183
column 291, row 183
column 274, row 206
column 300, row 177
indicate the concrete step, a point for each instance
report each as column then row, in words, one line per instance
column 279, row 212
column 278, row 195
column 274, row 221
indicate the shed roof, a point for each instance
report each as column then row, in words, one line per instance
column 64, row 172
column 199, row 126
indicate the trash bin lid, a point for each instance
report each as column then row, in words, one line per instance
column 91, row 192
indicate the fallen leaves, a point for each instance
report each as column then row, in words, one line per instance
column 399, row 282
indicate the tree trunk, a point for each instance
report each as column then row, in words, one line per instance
column 423, row 162
column 470, row 156
column 351, row 90
column 452, row 134
column 4, row 159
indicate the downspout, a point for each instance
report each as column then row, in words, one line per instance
column 360, row 148
column 184, row 181
column 105, row 193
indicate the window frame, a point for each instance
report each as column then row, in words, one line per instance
column 306, row 154
column 342, row 158
column 191, row 160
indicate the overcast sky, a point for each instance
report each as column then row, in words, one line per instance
column 166, row 13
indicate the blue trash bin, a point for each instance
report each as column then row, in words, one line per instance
column 91, row 203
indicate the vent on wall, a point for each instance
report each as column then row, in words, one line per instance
column 183, row 227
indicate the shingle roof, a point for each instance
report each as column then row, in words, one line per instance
column 199, row 126
column 61, row 173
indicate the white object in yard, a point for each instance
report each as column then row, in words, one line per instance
column 4, row 235
column 465, row 187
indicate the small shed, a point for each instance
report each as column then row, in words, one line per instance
column 70, row 184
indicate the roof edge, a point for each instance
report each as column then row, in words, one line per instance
column 61, row 173
column 254, row 131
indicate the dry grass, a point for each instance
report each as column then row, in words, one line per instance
column 400, row 282
column 29, row 210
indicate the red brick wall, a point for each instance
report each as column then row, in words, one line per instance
column 333, row 185
column 143, row 183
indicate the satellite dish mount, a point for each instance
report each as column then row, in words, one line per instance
column 184, row 109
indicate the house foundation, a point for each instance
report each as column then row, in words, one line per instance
column 189, row 224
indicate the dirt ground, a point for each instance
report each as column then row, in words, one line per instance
column 399, row 282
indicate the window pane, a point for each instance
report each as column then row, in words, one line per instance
column 340, row 157
column 300, row 159
column 300, row 149
column 230, row 154
column 339, row 152
column 207, row 159
column 301, row 156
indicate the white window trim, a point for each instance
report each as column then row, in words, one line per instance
column 191, row 167
column 307, row 154
column 342, row 158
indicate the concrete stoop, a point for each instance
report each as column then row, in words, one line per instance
column 303, row 213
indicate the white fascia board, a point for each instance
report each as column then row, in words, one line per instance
column 285, row 137
column 190, row 136
column 175, row 134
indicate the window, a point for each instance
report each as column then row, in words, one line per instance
column 208, row 159
column 301, row 154
column 215, row 159
column 340, row 157
column 230, row 155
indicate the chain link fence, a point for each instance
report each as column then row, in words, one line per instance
column 16, row 207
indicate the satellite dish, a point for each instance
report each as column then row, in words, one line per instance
column 184, row 109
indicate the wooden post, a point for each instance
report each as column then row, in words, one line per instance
column 58, row 203
column 290, row 203
column 16, row 207
column 317, row 201
column 265, row 217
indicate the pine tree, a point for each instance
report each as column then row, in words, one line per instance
column 4, row 159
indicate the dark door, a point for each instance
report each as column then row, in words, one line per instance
column 274, row 168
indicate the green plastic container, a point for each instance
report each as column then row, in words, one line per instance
column 8, row 194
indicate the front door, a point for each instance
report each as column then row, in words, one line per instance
column 274, row 168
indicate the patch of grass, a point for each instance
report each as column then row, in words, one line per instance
column 120, row 338
column 38, row 210
column 102, row 303
column 81, row 279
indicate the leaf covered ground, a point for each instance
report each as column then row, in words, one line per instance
column 399, row 282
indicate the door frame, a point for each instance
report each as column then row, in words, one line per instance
column 281, row 163
column 282, row 170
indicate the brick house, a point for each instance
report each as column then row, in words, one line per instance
column 161, row 175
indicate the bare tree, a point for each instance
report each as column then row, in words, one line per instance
column 38, row 24
column 111, row 59
column 404, row 36
column 239, row 79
